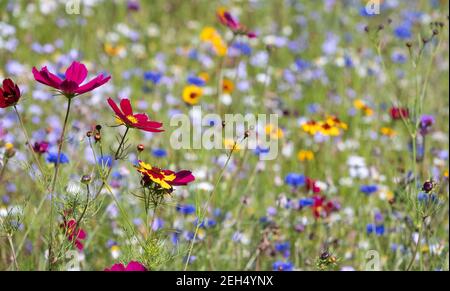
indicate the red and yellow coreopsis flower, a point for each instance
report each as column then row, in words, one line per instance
column 9, row 94
column 166, row 179
column 125, row 116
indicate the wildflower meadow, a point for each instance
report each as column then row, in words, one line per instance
column 224, row 135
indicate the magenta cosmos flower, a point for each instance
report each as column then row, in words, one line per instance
column 233, row 24
column 125, row 116
column 71, row 86
column 131, row 267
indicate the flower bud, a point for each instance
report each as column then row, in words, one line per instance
column 86, row 179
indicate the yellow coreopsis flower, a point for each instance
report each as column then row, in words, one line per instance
column 387, row 131
column 274, row 132
column 305, row 155
column 228, row 86
column 192, row 94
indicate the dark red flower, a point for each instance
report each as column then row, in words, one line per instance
column 71, row 86
column 126, row 117
column 74, row 234
column 323, row 208
column 41, row 147
column 398, row 113
column 311, row 185
column 131, row 267
column 9, row 94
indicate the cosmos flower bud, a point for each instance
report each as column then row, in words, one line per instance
column 86, row 179
column 409, row 44
column 428, row 186
column 89, row 133
column 325, row 255
column 98, row 127
column 140, row 148
column 97, row 137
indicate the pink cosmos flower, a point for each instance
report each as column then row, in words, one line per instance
column 131, row 267
column 74, row 234
column 71, row 86
column 233, row 24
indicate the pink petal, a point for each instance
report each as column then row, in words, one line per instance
column 93, row 84
column 135, row 267
column 79, row 245
column 116, row 268
column 145, row 120
column 183, row 178
column 77, row 73
column 45, row 77
column 125, row 105
column 116, row 109
column 81, row 234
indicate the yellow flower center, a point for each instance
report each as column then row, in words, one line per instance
column 132, row 119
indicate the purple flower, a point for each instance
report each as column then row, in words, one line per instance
column 426, row 122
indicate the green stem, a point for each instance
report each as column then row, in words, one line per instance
column 116, row 157
column 53, row 185
column 205, row 208
column 411, row 263
column 27, row 140
column 13, row 253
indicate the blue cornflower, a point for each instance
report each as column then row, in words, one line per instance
column 196, row 81
column 282, row 247
column 302, row 64
column 348, row 61
column 53, row 157
column 244, row 48
column 295, row 180
column 105, row 161
column 282, row 266
column 186, row 209
column 368, row 189
column 377, row 229
column 154, row 77
column 306, row 202
column 399, row 58
column 403, row 31
column 159, row 153
column 425, row 198
column 260, row 150
column 193, row 54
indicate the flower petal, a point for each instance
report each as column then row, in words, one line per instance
column 93, row 84
column 117, row 110
column 183, row 178
column 77, row 73
column 45, row 77
column 125, row 105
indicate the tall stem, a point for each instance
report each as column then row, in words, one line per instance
column 13, row 253
column 205, row 208
column 416, row 250
column 116, row 157
column 27, row 140
column 53, row 185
